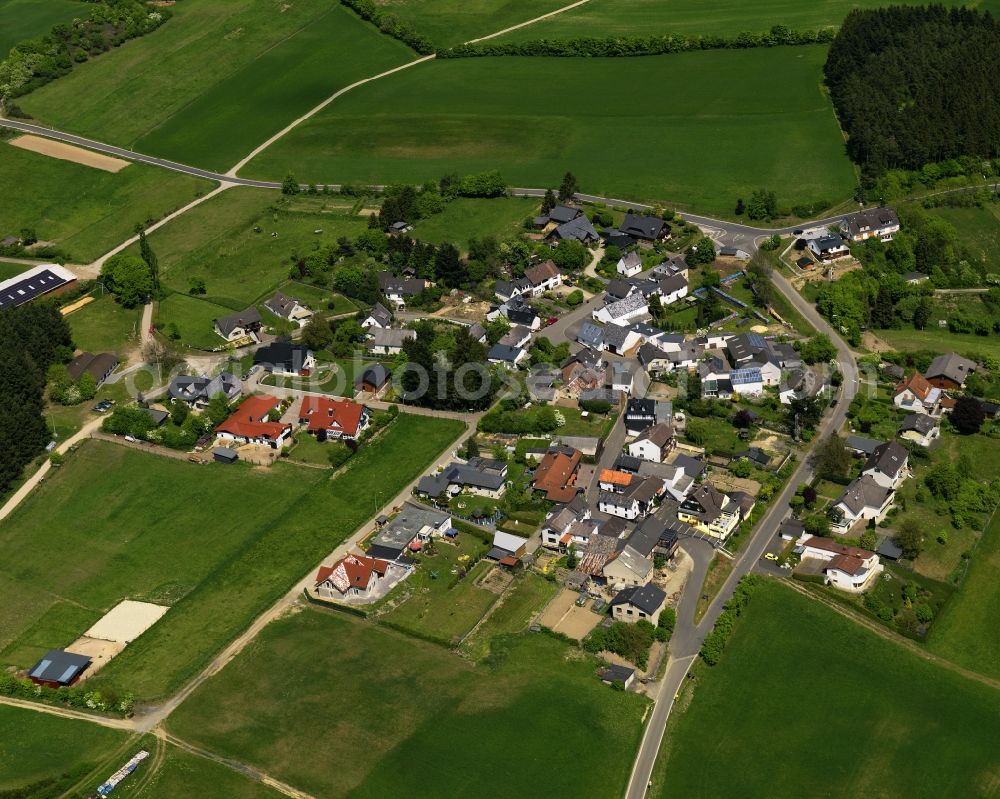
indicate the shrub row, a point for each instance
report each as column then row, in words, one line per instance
column 626, row 46
column 715, row 642
column 72, row 696
column 391, row 25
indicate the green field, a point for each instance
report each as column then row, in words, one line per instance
column 978, row 230
column 967, row 632
column 600, row 18
column 218, row 79
column 726, row 123
column 37, row 747
column 193, row 318
column 29, row 19
column 407, row 718
column 218, row 547
column 104, row 325
column 216, row 242
column 526, row 597
column 465, row 219
column 837, row 713
column 85, row 211
column 450, row 22
column 940, row 340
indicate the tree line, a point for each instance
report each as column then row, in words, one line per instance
column 391, row 25
column 109, row 23
column 627, row 46
column 916, row 85
column 33, row 338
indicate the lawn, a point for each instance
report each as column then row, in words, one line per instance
column 334, row 376
column 727, row 123
column 28, row 19
column 526, row 597
column 218, row 79
column 216, row 242
column 450, row 22
column 941, row 340
column 433, row 724
column 433, row 602
column 308, row 450
column 104, row 326
column 194, row 319
column 218, row 547
column 49, row 753
column 865, row 716
column 465, row 219
column 967, row 632
column 594, row 424
column 600, row 18
column 86, row 211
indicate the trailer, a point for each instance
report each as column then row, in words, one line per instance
column 112, row 782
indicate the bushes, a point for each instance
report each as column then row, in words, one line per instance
column 715, row 642
column 596, row 406
column 73, row 696
column 390, row 25
column 574, row 298
column 666, row 624
column 631, row 641
column 626, row 46
column 539, row 419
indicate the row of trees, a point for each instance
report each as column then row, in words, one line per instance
column 625, row 46
column 390, row 25
column 33, row 338
column 914, row 85
column 107, row 24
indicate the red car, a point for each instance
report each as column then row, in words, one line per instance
column 551, row 321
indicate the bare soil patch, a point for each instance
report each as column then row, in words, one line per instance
column 69, row 152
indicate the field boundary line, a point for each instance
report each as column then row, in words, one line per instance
column 239, row 767
column 312, row 112
column 68, row 713
column 892, row 637
column 570, row 7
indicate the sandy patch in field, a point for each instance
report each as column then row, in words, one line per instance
column 76, row 306
column 126, row 621
column 69, row 152
column 563, row 616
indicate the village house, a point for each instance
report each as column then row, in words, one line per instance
column 654, row 537
column 654, row 443
column 629, row 264
column 644, row 228
column 555, row 476
column 542, row 277
column 680, row 475
column 241, row 326
column 949, row 371
column 710, row 511
column 566, row 528
column 672, row 289
column 286, row 359
column 250, row 424
column 917, row 395
column 849, row 569
column 641, row 414
column 353, row 576
column 623, row 312
column 329, row 418
column 288, row 308
column 800, row 384
column 620, row 340
column 374, row 380
column 481, row 476
column 654, row 360
column 412, row 527
column 591, row 336
column 638, row 602
column 880, row 223
column 632, row 500
column 378, row 317
column 398, row 290
column 919, row 428
column 627, row 568
column 864, row 500
column 887, row 465
column 577, row 229
column 829, row 248
column 517, row 336
column 506, row 355
column 388, row 341
column 196, row 391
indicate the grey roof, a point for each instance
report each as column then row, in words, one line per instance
column 483, row 473
column 691, row 465
column 631, row 260
column 628, row 463
column 648, row 535
column 477, row 331
column 510, row 288
column 289, row 357
column 158, row 416
column 745, row 346
column 381, row 315
column 616, row 673
column 706, row 502
column 673, row 283
column 642, row 227
column 563, row 213
column 246, row 317
column 390, row 337
column 888, row 458
column 601, row 393
column 59, row 666
column 196, row 388
column 888, row 548
column 791, row 528
column 619, row 289
column 914, row 277
column 281, row 304
column 826, row 243
column 648, row 598
column 615, row 336
column 951, row 366
column 578, row 229
column 919, row 422
column 401, row 530
column 591, row 335
column 378, row 375
column 649, row 353
column 862, row 493
column 659, row 434
column 870, row 219
column 515, row 335
column 630, row 304
column 862, row 444
column 505, row 353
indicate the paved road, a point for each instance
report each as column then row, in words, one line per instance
column 688, row 637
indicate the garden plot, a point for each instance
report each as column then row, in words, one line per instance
column 117, row 628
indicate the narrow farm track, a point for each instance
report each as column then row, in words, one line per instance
column 68, row 713
column 889, row 635
column 519, row 25
column 240, row 768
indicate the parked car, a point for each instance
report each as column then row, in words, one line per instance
column 551, row 321
column 770, row 556
column 133, row 439
column 104, row 406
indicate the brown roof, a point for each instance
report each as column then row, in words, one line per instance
column 659, row 434
column 916, row 383
column 95, row 365
column 845, row 563
column 556, row 474
column 828, row 544
column 615, row 478
column 539, row 273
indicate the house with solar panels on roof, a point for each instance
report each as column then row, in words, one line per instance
column 34, row 283
column 59, row 669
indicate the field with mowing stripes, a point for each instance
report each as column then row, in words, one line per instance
column 218, row 79
column 724, row 123
column 29, row 19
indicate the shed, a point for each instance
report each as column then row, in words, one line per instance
column 59, row 668
column 225, row 455
column 622, row 675
column 158, row 417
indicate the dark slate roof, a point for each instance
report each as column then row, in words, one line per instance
column 591, row 335
column 616, row 673
column 378, row 375
column 648, row 598
column 563, row 213
column 649, row 353
column 504, row 352
column 628, row 463
column 791, row 528
column 862, row 444
column 615, row 336
column 888, row 548
column 59, row 666
column 578, row 229
column 290, row 357
column 888, row 458
column 248, row 316
column 951, row 366
column 642, row 227
column 381, row 315
column 920, row 422
column 870, row 219
column 619, row 289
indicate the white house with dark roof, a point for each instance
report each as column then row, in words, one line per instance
column 872, row 223
column 623, row 312
column 654, row 443
column 378, row 317
column 862, row 501
column 638, row 602
column 919, row 428
column 238, row 326
column 288, row 308
column 887, row 465
column 629, row 264
column 542, row 277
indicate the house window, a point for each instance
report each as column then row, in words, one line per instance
column 629, row 611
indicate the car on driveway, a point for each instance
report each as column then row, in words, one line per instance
column 551, row 321
column 104, row 406
column 770, row 556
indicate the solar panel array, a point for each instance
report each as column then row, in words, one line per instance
column 28, row 289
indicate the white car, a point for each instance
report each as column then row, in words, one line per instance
column 133, row 439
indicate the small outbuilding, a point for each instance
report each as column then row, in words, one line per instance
column 59, row 668
column 615, row 674
column 225, row 455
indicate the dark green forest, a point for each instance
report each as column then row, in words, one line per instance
column 915, row 85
